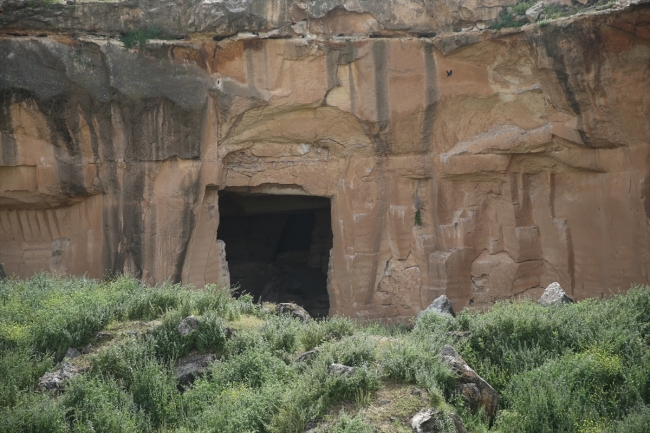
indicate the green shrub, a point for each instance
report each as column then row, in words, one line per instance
column 347, row 424
column 281, row 333
column 140, row 37
column 94, row 404
column 155, row 392
column 19, row 372
column 318, row 331
column 33, row 413
column 252, row 368
column 567, row 394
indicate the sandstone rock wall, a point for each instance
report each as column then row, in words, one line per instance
column 529, row 164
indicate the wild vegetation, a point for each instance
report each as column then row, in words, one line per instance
column 581, row 367
column 515, row 16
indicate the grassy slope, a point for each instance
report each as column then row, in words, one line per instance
column 578, row 368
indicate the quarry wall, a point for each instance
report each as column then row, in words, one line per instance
column 529, row 163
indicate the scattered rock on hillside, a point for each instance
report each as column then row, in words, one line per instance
column 187, row 325
column 340, row 370
column 440, row 305
column 186, row 370
column 535, row 11
column 102, row 336
column 293, row 310
column 3, row 274
column 434, row 421
column 554, row 295
column 472, row 388
column 71, row 353
column 458, row 423
column 306, row 356
column 55, row 380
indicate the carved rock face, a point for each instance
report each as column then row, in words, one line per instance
column 528, row 165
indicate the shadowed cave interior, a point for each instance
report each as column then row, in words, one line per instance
column 277, row 247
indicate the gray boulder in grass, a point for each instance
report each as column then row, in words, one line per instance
column 554, row 295
column 440, row 305
column 56, row 380
column 434, row 421
column 472, row 388
column 187, row 369
column 293, row 310
column 187, row 325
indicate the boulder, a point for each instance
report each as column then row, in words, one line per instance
column 187, row 325
column 340, row 370
column 434, row 421
column 293, row 310
column 186, row 370
column 71, row 353
column 554, row 295
column 473, row 389
column 56, row 380
column 534, row 12
column 102, row 336
column 440, row 305
column 306, row 356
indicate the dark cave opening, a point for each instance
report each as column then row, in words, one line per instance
column 278, row 246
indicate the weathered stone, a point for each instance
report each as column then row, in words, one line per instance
column 340, row 370
column 307, row 356
column 458, row 423
column 293, row 310
column 554, row 295
column 186, row 370
column 71, row 353
column 534, row 12
column 187, row 325
column 88, row 348
column 103, row 336
column 473, row 389
column 441, row 305
column 434, row 421
column 56, row 380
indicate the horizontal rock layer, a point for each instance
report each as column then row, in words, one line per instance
column 529, row 164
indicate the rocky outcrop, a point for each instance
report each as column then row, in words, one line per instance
column 190, row 368
column 250, row 18
column 293, row 310
column 188, row 325
column 340, row 370
column 526, row 166
column 554, row 295
column 434, row 420
column 441, row 305
column 472, row 388
column 56, row 380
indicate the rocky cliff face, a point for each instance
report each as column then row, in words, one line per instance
column 528, row 163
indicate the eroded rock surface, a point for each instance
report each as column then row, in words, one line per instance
column 441, row 305
column 472, row 388
column 526, row 166
column 56, row 380
column 554, row 295
column 188, row 369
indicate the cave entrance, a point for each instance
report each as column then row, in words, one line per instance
column 278, row 246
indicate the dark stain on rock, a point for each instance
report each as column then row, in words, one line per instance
column 382, row 136
column 430, row 96
column 565, row 74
